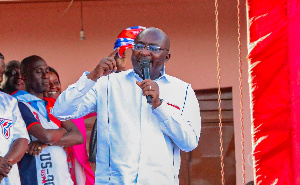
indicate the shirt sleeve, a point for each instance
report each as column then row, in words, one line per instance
column 27, row 116
column 184, row 128
column 19, row 125
column 77, row 100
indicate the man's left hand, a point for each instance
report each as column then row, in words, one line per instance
column 5, row 166
column 149, row 87
column 35, row 147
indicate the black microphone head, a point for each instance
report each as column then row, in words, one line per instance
column 145, row 64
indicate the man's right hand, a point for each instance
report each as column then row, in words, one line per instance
column 105, row 67
column 5, row 166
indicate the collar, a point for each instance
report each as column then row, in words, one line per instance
column 25, row 96
column 163, row 76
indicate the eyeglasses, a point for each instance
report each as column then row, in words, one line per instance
column 150, row 48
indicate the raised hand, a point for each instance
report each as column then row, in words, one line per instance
column 106, row 66
column 121, row 62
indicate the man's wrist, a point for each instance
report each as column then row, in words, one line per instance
column 157, row 104
column 93, row 76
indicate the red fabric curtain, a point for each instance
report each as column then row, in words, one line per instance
column 274, row 76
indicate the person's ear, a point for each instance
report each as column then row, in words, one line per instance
column 168, row 56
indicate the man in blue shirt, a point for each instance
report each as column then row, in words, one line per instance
column 46, row 161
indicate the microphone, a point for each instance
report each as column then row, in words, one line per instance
column 145, row 65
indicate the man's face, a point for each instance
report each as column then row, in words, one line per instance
column 2, row 68
column 37, row 77
column 157, row 59
column 13, row 80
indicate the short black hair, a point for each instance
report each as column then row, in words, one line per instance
column 55, row 72
column 1, row 56
column 12, row 64
column 27, row 62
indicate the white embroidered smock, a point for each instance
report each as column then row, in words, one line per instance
column 136, row 145
column 12, row 127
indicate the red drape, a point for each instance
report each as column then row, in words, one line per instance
column 274, row 63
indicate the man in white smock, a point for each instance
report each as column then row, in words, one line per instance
column 138, row 142
column 14, row 138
